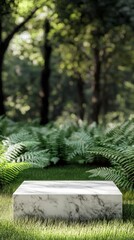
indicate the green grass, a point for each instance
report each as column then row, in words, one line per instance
column 47, row 230
column 62, row 230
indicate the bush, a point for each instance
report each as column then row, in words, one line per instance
column 52, row 144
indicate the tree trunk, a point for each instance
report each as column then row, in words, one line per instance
column 2, row 108
column 45, row 88
column 81, row 98
column 105, row 98
column 3, row 48
column 96, row 102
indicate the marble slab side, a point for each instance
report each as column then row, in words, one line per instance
column 72, row 200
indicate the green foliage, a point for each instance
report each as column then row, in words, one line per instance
column 9, row 171
column 72, row 57
column 41, row 146
column 81, row 141
column 2, row 157
column 24, row 146
column 113, row 146
column 117, row 146
column 52, row 144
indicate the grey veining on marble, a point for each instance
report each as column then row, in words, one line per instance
column 76, row 200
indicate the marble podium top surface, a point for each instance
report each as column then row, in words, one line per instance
column 67, row 187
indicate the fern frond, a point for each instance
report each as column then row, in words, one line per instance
column 14, row 151
column 9, row 171
column 41, row 158
column 116, row 175
column 2, row 156
column 31, row 144
column 110, row 154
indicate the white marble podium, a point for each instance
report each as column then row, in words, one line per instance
column 72, row 200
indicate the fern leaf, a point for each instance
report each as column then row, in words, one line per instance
column 14, row 151
column 9, row 171
column 117, row 176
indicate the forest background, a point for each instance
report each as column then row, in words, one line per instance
column 66, row 104
column 67, row 60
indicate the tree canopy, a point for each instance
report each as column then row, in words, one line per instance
column 89, row 73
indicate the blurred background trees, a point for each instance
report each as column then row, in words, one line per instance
column 67, row 59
